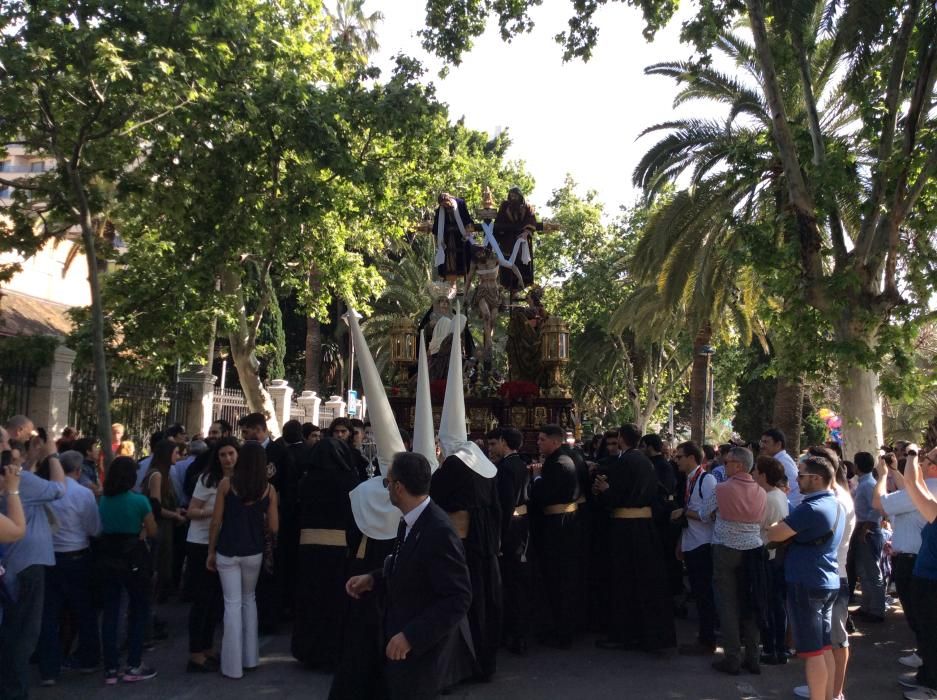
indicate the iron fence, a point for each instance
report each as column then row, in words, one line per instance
column 230, row 405
column 142, row 406
column 16, row 382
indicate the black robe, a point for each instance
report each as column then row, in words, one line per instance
column 664, row 504
column 510, row 222
column 513, row 492
column 457, row 249
column 272, row 585
column 557, row 541
column 323, row 505
column 455, row 487
column 641, row 614
column 360, row 670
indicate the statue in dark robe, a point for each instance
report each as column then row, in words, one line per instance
column 515, row 224
column 452, row 226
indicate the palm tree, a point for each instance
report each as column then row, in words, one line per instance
column 353, row 31
column 697, row 248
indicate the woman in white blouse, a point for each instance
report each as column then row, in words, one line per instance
column 204, row 585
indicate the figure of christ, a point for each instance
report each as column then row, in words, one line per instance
column 486, row 297
column 515, row 221
column 452, row 226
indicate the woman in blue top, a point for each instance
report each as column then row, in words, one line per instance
column 923, row 683
column 124, row 560
column 245, row 507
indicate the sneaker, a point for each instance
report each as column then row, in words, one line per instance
column 802, row 691
column 912, row 660
column 909, row 680
column 139, row 673
column 921, row 693
column 111, row 677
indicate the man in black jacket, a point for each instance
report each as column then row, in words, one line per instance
column 513, row 490
column 556, row 535
column 425, row 583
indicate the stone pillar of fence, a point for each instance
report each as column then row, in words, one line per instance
column 310, row 404
column 281, row 393
column 49, row 398
column 201, row 383
column 336, row 406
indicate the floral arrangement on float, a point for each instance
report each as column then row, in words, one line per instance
column 518, row 390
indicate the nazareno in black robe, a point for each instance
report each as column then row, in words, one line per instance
column 641, row 604
column 320, row 598
column 456, row 487
column 359, row 672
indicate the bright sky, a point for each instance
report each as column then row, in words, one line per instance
column 579, row 118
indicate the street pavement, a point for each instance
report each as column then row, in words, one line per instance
column 582, row 672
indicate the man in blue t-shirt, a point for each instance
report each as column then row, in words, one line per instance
column 814, row 530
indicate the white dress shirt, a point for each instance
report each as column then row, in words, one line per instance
column 411, row 517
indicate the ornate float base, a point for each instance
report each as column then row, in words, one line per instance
column 484, row 414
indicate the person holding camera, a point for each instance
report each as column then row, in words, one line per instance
column 25, row 562
column 695, row 545
column 13, row 522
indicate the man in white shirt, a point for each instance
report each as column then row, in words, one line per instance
column 773, row 444
column 906, row 523
column 696, row 544
column 68, row 583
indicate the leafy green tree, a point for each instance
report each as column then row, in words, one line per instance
column 82, row 83
column 618, row 372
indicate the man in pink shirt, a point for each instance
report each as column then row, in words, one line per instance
column 738, row 506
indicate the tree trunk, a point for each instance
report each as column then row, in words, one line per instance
column 699, row 384
column 313, row 339
column 102, row 385
column 789, row 410
column 861, row 411
column 243, row 352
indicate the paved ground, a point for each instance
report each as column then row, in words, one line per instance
column 583, row 672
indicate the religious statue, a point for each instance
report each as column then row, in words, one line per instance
column 514, row 226
column 523, row 345
column 486, row 297
column 452, row 226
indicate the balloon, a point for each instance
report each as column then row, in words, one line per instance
column 824, row 413
column 835, row 423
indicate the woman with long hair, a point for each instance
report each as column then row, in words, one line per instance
column 203, row 586
column 124, row 565
column 245, row 507
column 158, row 486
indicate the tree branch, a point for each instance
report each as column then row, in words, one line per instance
column 867, row 232
column 261, row 304
column 801, row 200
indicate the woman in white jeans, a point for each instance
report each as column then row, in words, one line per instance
column 245, row 507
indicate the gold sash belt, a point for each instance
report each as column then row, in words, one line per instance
column 561, row 508
column 631, row 513
column 324, row 538
column 362, row 547
column 520, row 510
column 460, row 521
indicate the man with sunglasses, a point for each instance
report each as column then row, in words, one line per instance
column 425, row 583
column 814, row 529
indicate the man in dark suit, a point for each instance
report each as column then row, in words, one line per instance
column 425, row 583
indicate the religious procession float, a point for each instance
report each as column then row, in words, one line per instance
column 513, row 351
